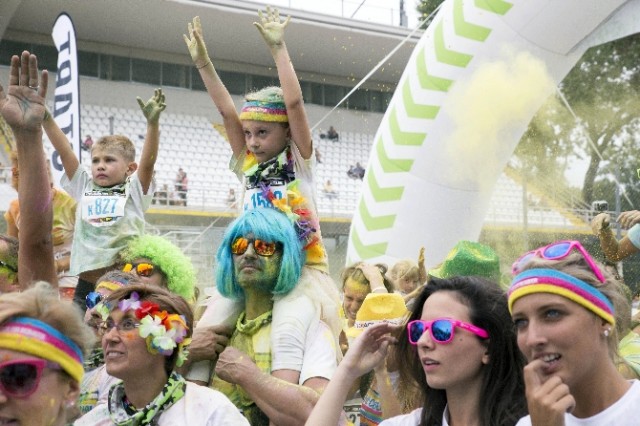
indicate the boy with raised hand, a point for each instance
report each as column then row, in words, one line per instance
column 112, row 201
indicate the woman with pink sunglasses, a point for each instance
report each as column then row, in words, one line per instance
column 458, row 350
column 42, row 345
column 564, row 308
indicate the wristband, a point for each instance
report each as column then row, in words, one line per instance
column 205, row 64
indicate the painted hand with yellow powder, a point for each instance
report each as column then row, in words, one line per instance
column 233, row 365
column 271, row 28
column 153, row 107
column 195, row 43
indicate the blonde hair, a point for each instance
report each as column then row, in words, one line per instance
column 268, row 94
column 407, row 269
column 43, row 303
column 122, row 145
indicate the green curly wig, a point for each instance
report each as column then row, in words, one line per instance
column 181, row 277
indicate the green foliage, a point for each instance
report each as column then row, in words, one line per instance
column 426, row 8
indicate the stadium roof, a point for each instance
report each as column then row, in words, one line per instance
column 320, row 45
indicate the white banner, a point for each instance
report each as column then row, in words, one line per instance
column 66, row 103
column 475, row 79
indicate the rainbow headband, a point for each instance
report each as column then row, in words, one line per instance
column 555, row 282
column 34, row 337
column 264, row 111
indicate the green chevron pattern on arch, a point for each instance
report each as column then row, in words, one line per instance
column 467, row 29
column 367, row 251
column 496, row 6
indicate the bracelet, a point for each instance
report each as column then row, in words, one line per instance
column 206, row 63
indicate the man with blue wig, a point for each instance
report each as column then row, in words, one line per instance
column 259, row 260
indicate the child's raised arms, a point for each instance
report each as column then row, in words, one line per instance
column 216, row 89
column 151, row 110
column 272, row 30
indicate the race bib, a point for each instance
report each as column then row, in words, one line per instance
column 254, row 197
column 102, row 209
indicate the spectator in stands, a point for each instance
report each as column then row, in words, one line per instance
column 42, row 345
column 113, row 199
column 329, row 190
column 261, row 258
column 231, row 198
column 181, row 186
column 273, row 157
column 156, row 260
column 87, row 143
column 161, row 197
column 23, row 109
column 563, row 304
column 458, row 351
column 356, row 172
column 613, row 249
column 146, row 331
column 318, row 156
column 64, row 219
column 331, row 134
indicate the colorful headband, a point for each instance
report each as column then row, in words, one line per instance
column 112, row 285
column 37, row 338
column 555, row 282
column 264, row 111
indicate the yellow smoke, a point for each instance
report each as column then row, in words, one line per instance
column 490, row 111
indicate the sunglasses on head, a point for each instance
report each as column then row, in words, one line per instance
column 261, row 247
column 441, row 330
column 93, row 298
column 20, row 378
column 556, row 251
column 143, row 269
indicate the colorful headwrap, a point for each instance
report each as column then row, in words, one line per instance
column 162, row 331
column 112, row 284
column 264, row 111
column 37, row 338
column 555, row 282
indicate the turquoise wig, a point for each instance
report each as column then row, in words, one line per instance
column 181, row 277
column 269, row 225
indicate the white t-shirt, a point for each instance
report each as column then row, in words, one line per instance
column 106, row 218
column 200, row 406
column 624, row 412
column 634, row 235
column 411, row 419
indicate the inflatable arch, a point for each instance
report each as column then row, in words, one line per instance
column 477, row 76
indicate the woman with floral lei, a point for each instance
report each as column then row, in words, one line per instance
column 273, row 155
column 146, row 331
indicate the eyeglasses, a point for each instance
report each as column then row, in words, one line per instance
column 20, row 378
column 556, row 251
column 9, row 267
column 143, row 269
column 261, row 247
column 93, row 298
column 441, row 329
column 126, row 325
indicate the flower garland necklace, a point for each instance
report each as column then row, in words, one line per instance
column 162, row 331
column 261, row 174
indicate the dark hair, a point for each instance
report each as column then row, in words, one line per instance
column 167, row 301
column 502, row 397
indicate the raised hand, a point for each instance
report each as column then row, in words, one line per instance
column 600, row 223
column 195, row 44
column 23, row 106
column 271, row 28
column 629, row 219
column 153, row 107
column 233, row 365
column 368, row 350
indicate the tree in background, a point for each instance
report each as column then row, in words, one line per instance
column 426, row 8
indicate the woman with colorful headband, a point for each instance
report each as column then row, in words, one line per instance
column 157, row 261
column 458, row 351
column 146, row 331
column 42, row 345
column 96, row 383
column 563, row 306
